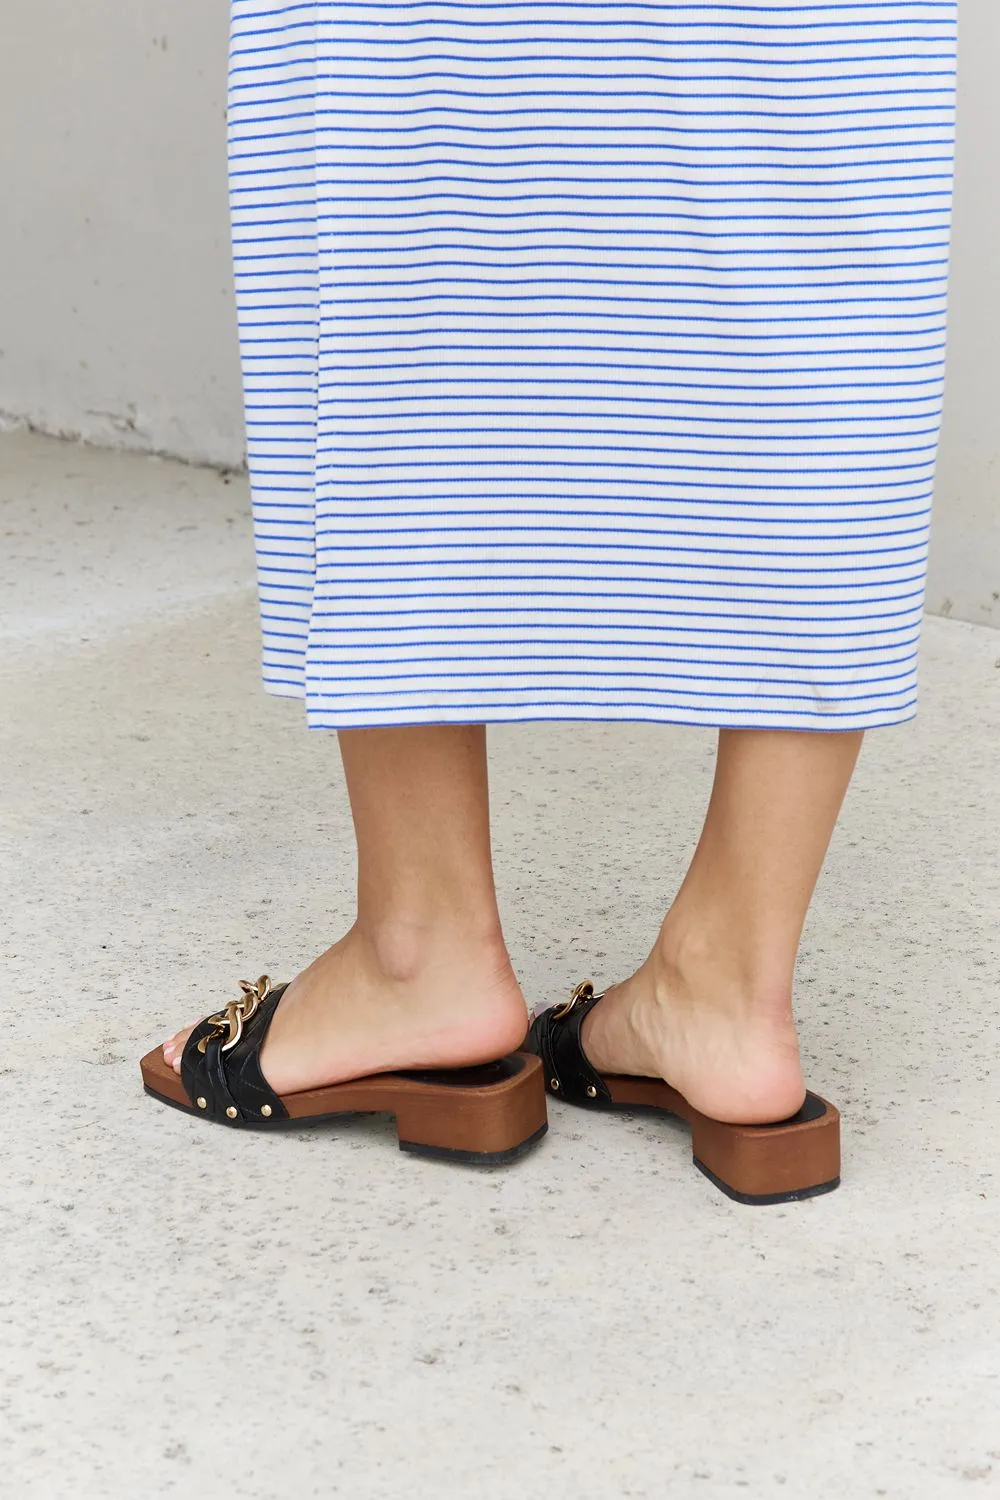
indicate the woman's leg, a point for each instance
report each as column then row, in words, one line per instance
column 711, row 1008
column 423, row 977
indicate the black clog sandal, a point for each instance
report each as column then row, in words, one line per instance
column 794, row 1158
column 489, row 1114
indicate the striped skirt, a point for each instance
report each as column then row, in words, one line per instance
column 592, row 354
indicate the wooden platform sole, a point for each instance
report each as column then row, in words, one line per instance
column 780, row 1163
column 487, row 1115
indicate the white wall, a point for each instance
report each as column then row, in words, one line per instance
column 965, row 555
column 116, row 320
column 116, row 317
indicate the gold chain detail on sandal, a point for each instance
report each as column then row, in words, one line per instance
column 584, row 991
column 231, row 1021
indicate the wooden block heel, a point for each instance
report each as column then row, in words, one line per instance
column 758, row 1164
column 798, row 1158
column 489, row 1114
column 475, row 1158
column 762, row 1200
column 478, row 1115
column 780, row 1163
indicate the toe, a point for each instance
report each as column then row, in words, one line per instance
column 174, row 1047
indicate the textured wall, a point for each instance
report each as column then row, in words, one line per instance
column 116, row 321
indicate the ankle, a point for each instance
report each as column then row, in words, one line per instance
column 401, row 950
column 711, row 964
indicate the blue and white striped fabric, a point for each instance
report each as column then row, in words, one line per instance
column 593, row 354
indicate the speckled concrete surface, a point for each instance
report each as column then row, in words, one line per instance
column 186, row 1312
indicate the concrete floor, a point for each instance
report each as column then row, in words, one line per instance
column 190, row 1312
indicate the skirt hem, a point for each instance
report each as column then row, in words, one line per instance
column 319, row 716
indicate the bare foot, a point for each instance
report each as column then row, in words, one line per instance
column 414, row 1000
column 733, row 1057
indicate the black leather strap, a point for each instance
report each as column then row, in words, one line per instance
column 555, row 1038
column 231, row 1084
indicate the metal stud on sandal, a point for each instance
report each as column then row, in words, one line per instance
column 489, row 1114
column 794, row 1158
